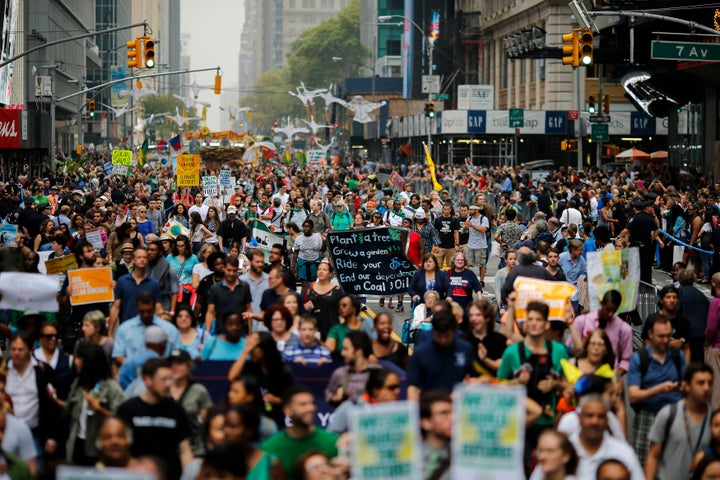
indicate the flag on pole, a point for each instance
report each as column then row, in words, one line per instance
column 176, row 143
column 142, row 156
column 431, row 166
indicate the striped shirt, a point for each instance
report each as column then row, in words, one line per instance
column 312, row 355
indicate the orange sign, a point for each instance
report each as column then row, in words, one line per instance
column 61, row 264
column 90, row 285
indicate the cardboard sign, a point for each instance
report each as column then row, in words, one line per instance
column 28, row 291
column 226, row 179
column 617, row 270
column 386, row 441
column 555, row 294
column 488, row 432
column 90, row 285
column 188, row 170
column 122, row 157
column 210, row 186
column 371, row 261
column 94, row 237
column 61, row 264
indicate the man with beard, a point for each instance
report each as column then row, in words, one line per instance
column 348, row 381
column 160, row 270
column 256, row 278
column 302, row 435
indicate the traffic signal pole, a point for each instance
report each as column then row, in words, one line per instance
column 600, row 111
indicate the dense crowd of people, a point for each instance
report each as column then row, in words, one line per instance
column 111, row 384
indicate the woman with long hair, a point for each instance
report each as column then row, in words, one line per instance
column 245, row 390
column 192, row 336
column 202, row 269
column 179, row 215
column 321, row 298
column 212, row 223
column 136, row 237
column 198, row 232
column 183, row 261
column 43, row 240
column 261, row 359
column 93, row 396
column 290, row 301
column 241, row 428
column 488, row 344
column 557, row 458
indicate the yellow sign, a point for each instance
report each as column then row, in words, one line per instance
column 555, row 294
column 122, row 157
column 61, row 265
column 188, row 170
column 90, row 285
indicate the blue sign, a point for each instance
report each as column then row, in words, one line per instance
column 107, row 167
column 476, row 121
column 556, row 122
column 641, row 124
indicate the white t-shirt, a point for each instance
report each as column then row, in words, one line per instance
column 571, row 215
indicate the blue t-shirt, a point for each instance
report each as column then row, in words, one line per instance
column 655, row 375
column 433, row 367
column 218, row 349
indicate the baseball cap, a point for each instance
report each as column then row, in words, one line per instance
column 154, row 335
column 179, row 355
column 473, row 207
column 232, row 209
column 420, row 215
column 340, row 203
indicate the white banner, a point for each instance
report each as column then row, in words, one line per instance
column 498, row 121
column 28, row 291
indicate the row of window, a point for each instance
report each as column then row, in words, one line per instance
column 321, row 3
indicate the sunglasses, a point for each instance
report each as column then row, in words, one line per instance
column 393, row 387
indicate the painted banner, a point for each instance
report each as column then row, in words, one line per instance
column 210, row 186
column 188, row 170
column 90, row 285
column 8, row 235
column 386, row 441
column 61, row 264
column 488, row 432
column 9, row 128
column 616, row 270
column 555, row 294
column 264, row 239
column 371, row 261
column 28, row 291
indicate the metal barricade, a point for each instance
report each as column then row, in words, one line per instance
column 647, row 299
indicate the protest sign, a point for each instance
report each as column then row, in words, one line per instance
column 90, row 285
column 616, row 270
column 94, row 237
column 210, row 186
column 28, row 291
column 61, row 264
column 315, row 157
column 67, row 472
column 8, row 235
column 488, row 432
column 107, row 167
column 371, row 261
column 226, row 179
column 264, row 238
column 188, row 170
column 386, row 441
column 121, row 162
column 555, row 294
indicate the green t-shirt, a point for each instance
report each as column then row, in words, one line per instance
column 339, row 332
column 288, row 450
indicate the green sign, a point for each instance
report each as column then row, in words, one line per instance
column 517, row 117
column 441, row 96
column 701, row 52
column 600, row 132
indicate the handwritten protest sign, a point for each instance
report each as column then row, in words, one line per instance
column 94, row 237
column 90, row 285
column 315, row 158
column 210, row 186
column 386, row 441
column 188, row 170
column 8, row 235
column 121, row 162
column 488, row 432
column 555, row 294
column 61, row 265
column 371, row 261
column 107, row 167
column 617, row 270
column 226, row 179
column 28, row 291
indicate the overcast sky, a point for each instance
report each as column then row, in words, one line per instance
column 214, row 27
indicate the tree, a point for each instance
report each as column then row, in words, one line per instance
column 160, row 107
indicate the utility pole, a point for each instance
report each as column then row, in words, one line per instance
column 579, row 120
column 600, row 105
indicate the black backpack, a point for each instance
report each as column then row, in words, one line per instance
column 541, row 369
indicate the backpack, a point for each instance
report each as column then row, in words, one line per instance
column 645, row 364
column 540, row 370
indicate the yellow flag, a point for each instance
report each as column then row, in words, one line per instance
column 431, row 166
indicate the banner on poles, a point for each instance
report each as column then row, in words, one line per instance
column 616, row 270
column 264, row 238
column 188, row 170
column 371, row 261
column 488, row 432
column 90, row 285
column 386, row 441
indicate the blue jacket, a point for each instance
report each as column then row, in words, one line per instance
column 417, row 283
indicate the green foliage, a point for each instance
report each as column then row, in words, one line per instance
column 162, row 105
column 309, row 61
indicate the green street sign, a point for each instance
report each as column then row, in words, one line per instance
column 599, row 132
column 441, row 96
column 701, row 52
column 517, row 117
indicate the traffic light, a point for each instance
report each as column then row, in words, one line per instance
column 91, row 107
column 571, row 50
column 149, row 51
column 218, row 84
column 606, row 104
column 133, row 53
column 592, row 110
column 586, row 47
column 430, row 110
column 563, row 145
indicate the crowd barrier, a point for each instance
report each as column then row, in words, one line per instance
column 213, row 375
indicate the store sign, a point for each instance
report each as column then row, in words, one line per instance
column 9, row 128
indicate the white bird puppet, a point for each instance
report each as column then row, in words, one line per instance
column 362, row 108
column 234, row 110
column 142, row 123
column 119, row 112
column 138, row 93
column 329, row 98
column 179, row 119
column 189, row 102
column 314, row 127
column 291, row 131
